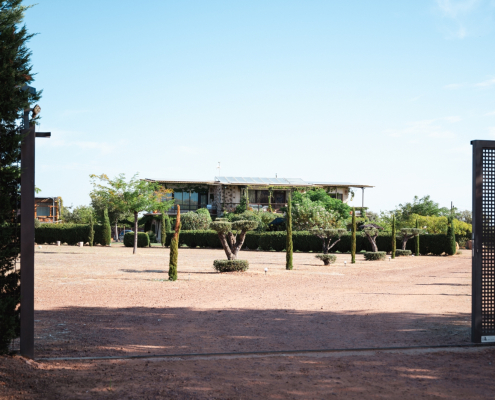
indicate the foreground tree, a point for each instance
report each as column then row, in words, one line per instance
column 232, row 235
column 353, row 237
column 371, row 231
column 407, row 233
column 174, row 249
column 107, row 230
column 15, row 73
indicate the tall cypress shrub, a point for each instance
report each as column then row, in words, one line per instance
column 174, row 249
column 163, row 230
column 91, row 236
column 107, row 229
column 353, row 237
column 451, row 249
column 168, row 225
column 15, row 72
column 289, row 246
column 416, row 253
column 394, row 237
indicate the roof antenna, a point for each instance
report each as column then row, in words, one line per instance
column 218, row 168
column 276, row 175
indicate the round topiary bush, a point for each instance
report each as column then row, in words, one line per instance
column 143, row 239
column 231, row 265
column 403, row 252
column 326, row 258
column 375, row 255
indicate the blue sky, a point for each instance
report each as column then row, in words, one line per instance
column 384, row 93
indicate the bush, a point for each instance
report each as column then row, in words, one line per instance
column 231, row 265
column 375, row 255
column 326, row 258
column 192, row 221
column 205, row 212
column 65, row 233
column 143, row 239
column 403, row 252
column 152, row 236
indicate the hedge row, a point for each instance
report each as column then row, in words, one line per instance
column 306, row 242
column 302, row 241
column 143, row 239
column 66, row 233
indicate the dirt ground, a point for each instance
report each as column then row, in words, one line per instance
column 93, row 302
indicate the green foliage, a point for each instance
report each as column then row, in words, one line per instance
column 263, row 218
column 416, row 248
column 143, row 239
column 174, row 249
column 91, row 236
column 307, row 215
column 77, row 215
column 163, row 229
column 375, row 255
column 192, row 221
column 15, row 72
column 244, row 225
column 231, row 265
column 168, row 226
column 221, row 226
column 326, row 258
column 65, row 233
column 394, row 235
column 243, row 204
column 353, row 237
column 205, row 212
column 452, row 248
column 288, row 244
column 403, row 252
column 107, row 230
column 152, row 237
column 424, row 206
column 336, row 207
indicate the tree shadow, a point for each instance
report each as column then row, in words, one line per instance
column 94, row 331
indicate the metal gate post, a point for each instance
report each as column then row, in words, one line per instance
column 483, row 264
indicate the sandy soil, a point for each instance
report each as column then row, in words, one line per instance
column 107, row 302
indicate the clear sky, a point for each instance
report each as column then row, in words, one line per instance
column 384, row 93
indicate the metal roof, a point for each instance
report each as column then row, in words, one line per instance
column 237, row 180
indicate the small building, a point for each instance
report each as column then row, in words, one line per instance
column 46, row 209
column 223, row 194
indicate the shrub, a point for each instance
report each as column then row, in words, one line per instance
column 235, row 232
column 107, row 230
column 152, row 236
column 403, row 252
column 353, row 237
column 205, row 212
column 308, row 215
column 288, row 237
column 192, row 221
column 326, row 258
column 143, row 239
column 65, row 233
column 231, row 265
column 174, row 249
column 375, row 255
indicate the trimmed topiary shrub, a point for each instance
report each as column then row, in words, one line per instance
column 403, row 252
column 192, row 221
column 375, row 255
column 231, row 265
column 107, row 230
column 232, row 235
column 326, row 258
column 143, row 239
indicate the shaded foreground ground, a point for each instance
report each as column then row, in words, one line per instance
column 457, row 374
column 107, row 302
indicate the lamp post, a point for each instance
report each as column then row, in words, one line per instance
column 27, row 228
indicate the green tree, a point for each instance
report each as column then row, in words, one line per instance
column 289, row 246
column 416, row 252
column 107, row 229
column 371, row 232
column 77, row 215
column 15, row 73
column 339, row 209
column 91, row 231
column 307, row 215
column 422, row 206
column 353, row 237
column 407, row 233
column 232, row 235
column 174, row 249
column 394, row 237
column 163, row 228
column 132, row 197
column 452, row 248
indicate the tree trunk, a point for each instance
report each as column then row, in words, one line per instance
column 116, row 232
column 404, row 242
column 135, row 231
column 325, row 245
column 226, row 247
column 374, row 247
column 239, row 242
column 333, row 244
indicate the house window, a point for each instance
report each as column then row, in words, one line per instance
column 336, row 196
column 42, row 211
column 189, row 200
column 261, row 196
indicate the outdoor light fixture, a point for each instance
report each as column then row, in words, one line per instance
column 36, row 110
column 266, row 270
column 390, row 258
column 345, row 263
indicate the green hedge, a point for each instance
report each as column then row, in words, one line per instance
column 66, row 233
column 306, row 242
column 143, row 239
column 231, row 265
column 302, row 241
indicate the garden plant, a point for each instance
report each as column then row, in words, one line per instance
column 174, row 249
column 289, row 248
column 326, row 236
